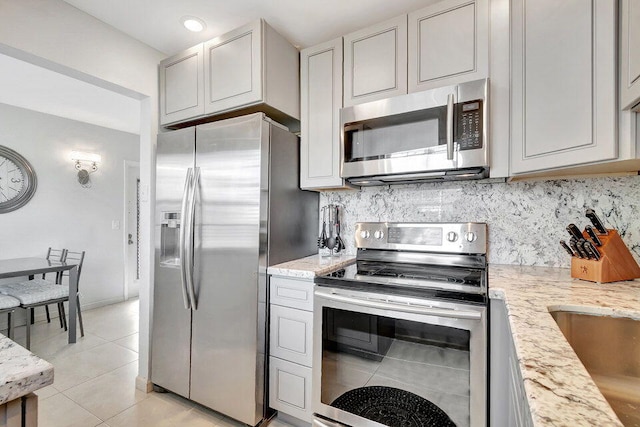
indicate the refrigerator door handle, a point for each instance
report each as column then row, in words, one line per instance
column 192, row 210
column 183, row 238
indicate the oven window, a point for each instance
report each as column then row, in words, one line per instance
column 396, row 136
column 396, row 372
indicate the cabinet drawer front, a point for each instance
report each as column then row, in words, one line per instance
column 292, row 293
column 290, row 388
column 291, row 333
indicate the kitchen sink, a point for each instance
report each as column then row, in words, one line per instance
column 609, row 347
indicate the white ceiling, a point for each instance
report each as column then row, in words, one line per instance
column 35, row 88
column 303, row 22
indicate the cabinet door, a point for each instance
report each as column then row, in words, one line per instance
column 290, row 388
column 563, row 109
column 321, row 93
column 232, row 69
column 181, row 82
column 448, row 43
column 375, row 62
column 291, row 334
column 629, row 53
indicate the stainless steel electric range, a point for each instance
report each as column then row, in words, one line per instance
column 400, row 336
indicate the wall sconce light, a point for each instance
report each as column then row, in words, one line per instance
column 86, row 163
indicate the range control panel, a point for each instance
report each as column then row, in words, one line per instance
column 467, row 237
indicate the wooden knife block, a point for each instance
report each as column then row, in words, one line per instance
column 615, row 264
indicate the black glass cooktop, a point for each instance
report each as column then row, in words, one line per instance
column 416, row 277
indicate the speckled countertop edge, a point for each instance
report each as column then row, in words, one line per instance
column 559, row 390
column 21, row 372
column 311, row 266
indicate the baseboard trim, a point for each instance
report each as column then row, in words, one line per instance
column 144, row 384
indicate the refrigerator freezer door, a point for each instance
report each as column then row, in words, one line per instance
column 230, row 237
column 171, row 334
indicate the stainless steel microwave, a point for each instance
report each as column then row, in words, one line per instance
column 434, row 135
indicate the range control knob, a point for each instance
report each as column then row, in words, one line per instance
column 365, row 234
column 452, row 236
column 470, row 236
column 378, row 234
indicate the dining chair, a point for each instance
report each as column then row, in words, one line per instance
column 38, row 292
column 74, row 258
column 8, row 305
column 54, row 255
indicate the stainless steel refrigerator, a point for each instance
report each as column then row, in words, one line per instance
column 228, row 206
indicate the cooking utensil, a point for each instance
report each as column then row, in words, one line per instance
column 322, row 240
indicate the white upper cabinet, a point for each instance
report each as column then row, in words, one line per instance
column 448, row 43
column 375, row 62
column 181, row 82
column 233, row 68
column 251, row 66
column 630, row 54
column 563, row 83
column 321, row 96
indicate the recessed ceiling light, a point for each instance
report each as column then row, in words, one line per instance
column 192, row 23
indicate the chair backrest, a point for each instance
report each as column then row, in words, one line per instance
column 74, row 258
column 56, row 255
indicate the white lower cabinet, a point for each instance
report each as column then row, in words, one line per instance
column 290, row 388
column 291, row 346
column 508, row 405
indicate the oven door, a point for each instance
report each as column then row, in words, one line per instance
column 397, row 360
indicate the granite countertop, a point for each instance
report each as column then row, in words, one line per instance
column 311, row 266
column 21, row 372
column 560, row 392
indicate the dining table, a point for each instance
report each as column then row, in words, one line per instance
column 20, row 267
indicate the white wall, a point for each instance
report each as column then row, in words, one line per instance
column 53, row 34
column 62, row 213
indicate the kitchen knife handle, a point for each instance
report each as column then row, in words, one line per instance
column 566, row 248
column 597, row 223
column 574, row 231
column 593, row 235
column 450, row 126
column 592, row 250
column 583, row 248
column 573, row 243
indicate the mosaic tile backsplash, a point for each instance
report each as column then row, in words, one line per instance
column 526, row 220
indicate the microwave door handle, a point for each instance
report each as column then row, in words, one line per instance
column 450, row 127
column 415, row 309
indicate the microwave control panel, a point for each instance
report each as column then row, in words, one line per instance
column 469, row 125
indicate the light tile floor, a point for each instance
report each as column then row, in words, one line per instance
column 94, row 381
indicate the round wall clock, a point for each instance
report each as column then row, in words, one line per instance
column 17, row 180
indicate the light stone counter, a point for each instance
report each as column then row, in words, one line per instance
column 311, row 266
column 21, row 372
column 560, row 392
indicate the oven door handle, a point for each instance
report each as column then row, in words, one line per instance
column 415, row 309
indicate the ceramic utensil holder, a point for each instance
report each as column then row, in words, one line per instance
column 616, row 262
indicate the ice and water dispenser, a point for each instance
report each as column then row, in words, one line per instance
column 170, row 239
